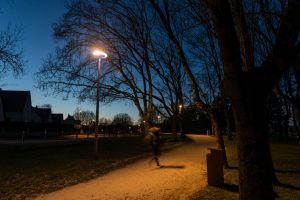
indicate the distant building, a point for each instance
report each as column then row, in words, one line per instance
column 43, row 115
column 70, row 120
column 15, row 106
column 57, row 118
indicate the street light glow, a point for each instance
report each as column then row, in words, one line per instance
column 99, row 53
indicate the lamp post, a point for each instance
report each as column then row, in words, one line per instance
column 101, row 55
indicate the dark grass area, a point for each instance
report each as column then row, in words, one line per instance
column 27, row 170
column 286, row 158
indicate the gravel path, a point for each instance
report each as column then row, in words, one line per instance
column 184, row 172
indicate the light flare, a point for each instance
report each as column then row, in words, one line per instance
column 99, row 53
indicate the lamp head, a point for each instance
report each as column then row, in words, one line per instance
column 100, row 54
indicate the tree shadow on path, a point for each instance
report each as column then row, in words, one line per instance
column 288, row 171
column 229, row 187
column 285, row 185
column 172, row 167
column 232, row 167
column 235, row 188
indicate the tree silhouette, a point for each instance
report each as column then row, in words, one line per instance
column 11, row 56
column 122, row 119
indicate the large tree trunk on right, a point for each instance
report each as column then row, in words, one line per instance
column 248, row 91
column 256, row 171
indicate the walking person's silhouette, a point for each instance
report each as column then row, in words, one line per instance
column 155, row 141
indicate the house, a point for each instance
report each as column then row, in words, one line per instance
column 57, row 118
column 70, row 120
column 72, row 123
column 15, row 106
column 42, row 115
column 17, row 116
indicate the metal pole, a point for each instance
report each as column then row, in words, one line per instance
column 97, row 111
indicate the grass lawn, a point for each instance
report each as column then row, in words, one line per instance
column 286, row 158
column 29, row 170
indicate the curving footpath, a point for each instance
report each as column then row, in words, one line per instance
column 184, row 172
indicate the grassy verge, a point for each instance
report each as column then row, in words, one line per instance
column 287, row 165
column 29, row 170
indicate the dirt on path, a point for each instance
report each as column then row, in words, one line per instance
column 184, row 172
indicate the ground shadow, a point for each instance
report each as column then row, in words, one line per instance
column 172, row 166
column 230, row 187
column 285, row 185
column 288, row 171
column 232, row 167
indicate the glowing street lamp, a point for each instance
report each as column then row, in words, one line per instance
column 180, row 117
column 180, row 107
column 158, row 118
column 100, row 55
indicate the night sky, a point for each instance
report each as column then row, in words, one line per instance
column 35, row 18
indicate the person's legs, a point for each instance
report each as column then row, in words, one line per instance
column 156, row 155
column 156, row 160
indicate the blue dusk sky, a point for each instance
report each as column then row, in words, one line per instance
column 35, row 18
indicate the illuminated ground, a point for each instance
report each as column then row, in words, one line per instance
column 184, row 172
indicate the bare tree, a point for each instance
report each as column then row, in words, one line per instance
column 251, row 38
column 249, row 86
column 288, row 90
column 171, row 88
column 124, row 30
column 176, row 26
column 85, row 116
column 104, row 121
column 11, row 55
column 122, row 119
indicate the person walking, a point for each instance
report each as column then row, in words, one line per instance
column 155, row 141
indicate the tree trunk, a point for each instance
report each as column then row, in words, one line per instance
column 256, row 171
column 217, row 132
column 255, row 180
column 296, row 122
column 279, row 123
column 296, row 107
column 296, row 103
column 174, row 121
column 228, row 125
column 286, row 118
column 249, row 90
column 145, row 127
